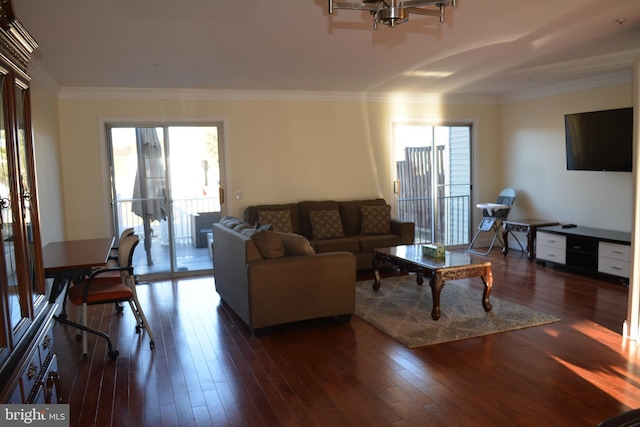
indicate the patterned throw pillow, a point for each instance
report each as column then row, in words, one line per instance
column 281, row 220
column 375, row 220
column 326, row 224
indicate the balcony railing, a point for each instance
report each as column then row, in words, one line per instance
column 450, row 225
column 183, row 209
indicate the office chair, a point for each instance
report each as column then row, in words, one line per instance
column 492, row 216
column 93, row 291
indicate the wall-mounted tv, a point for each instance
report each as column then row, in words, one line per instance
column 600, row 140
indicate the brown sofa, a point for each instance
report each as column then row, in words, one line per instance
column 271, row 278
column 360, row 226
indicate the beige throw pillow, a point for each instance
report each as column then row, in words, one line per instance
column 326, row 224
column 376, row 220
column 281, row 220
column 268, row 243
column 295, row 244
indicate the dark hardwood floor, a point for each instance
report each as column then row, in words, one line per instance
column 207, row 369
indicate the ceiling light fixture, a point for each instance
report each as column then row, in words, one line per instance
column 394, row 12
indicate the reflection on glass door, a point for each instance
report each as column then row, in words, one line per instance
column 165, row 184
column 433, row 186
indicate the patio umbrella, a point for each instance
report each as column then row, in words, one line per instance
column 149, row 186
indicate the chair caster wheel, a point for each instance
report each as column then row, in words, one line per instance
column 113, row 354
column 85, row 356
column 152, row 344
column 138, row 328
column 119, row 308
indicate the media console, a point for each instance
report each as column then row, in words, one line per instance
column 590, row 250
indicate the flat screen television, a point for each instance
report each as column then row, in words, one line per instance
column 600, row 140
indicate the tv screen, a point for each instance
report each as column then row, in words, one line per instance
column 600, row 140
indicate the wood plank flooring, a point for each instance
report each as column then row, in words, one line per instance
column 208, row 370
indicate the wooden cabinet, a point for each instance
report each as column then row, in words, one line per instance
column 25, row 313
column 589, row 250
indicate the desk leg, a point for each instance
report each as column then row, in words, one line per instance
column 531, row 235
column 487, row 279
column 505, row 240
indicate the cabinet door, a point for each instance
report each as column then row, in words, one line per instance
column 28, row 200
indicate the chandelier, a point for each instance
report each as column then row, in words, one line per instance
column 394, row 12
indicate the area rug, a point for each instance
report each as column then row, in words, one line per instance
column 402, row 310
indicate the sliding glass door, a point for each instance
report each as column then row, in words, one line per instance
column 433, row 180
column 166, row 185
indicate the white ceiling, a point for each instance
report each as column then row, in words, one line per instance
column 484, row 47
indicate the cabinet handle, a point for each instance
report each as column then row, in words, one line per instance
column 615, row 267
column 616, row 251
column 53, row 381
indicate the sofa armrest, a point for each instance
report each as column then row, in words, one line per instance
column 295, row 288
column 405, row 229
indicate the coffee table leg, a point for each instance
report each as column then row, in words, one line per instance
column 376, row 271
column 487, row 279
column 436, row 284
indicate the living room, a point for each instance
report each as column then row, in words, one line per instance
column 291, row 145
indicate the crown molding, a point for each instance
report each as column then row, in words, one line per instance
column 621, row 77
column 40, row 74
column 266, row 95
column 611, row 79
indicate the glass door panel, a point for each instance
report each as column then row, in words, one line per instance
column 166, row 186
column 433, row 170
column 8, row 261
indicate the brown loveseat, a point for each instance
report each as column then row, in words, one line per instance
column 271, row 278
column 356, row 226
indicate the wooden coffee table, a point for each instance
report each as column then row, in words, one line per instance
column 454, row 266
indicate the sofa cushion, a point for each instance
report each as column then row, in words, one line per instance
column 375, row 220
column 295, row 244
column 280, row 220
column 326, row 224
column 333, row 245
column 369, row 243
column 350, row 213
column 230, row 222
column 269, row 244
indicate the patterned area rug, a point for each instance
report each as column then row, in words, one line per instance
column 402, row 309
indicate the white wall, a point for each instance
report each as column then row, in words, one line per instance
column 288, row 150
column 44, row 111
column 533, row 160
column 275, row 150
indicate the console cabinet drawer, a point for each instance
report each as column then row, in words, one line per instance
column 615, row 251
column 547, row 253
column 551, row 240
column 614, row 267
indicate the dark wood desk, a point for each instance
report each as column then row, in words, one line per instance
column 454, row 266
column 529, row 226
column 73, row 258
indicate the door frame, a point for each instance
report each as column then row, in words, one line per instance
column 110, row 122
column 434, row 122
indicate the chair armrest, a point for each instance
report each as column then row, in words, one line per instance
column 405, row 229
